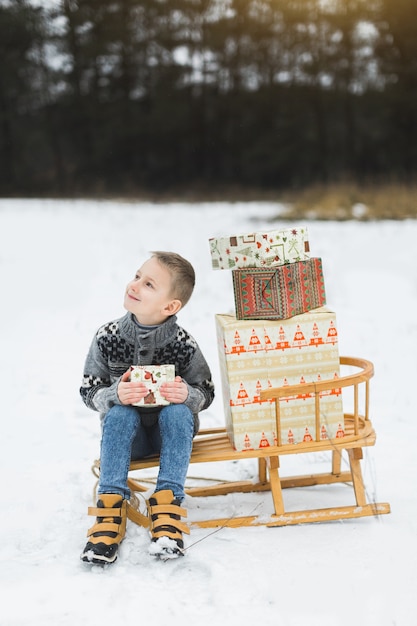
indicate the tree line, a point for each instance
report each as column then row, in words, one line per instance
column 121, row 96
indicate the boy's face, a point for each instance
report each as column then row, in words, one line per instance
column 148, row 295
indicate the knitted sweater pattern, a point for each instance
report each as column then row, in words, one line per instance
column 119, row 344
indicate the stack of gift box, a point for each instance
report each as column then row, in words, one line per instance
column 281, row 334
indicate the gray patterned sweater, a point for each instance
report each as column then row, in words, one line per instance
column 120, row 343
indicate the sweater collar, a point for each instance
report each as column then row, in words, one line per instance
column 161, row 334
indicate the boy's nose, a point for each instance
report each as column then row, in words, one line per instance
column 134, row 285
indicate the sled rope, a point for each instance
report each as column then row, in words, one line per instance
column 219, row 528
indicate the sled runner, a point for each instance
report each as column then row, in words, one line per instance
column 213, row 445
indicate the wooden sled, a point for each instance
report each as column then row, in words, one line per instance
column 213, row 445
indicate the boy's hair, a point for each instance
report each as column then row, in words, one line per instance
column 182, row 273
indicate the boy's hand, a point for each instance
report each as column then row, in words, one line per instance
column 130, row 392
column 175, row 391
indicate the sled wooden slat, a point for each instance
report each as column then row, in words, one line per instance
column 213, row 445
column 300, row 517
column 328, row 515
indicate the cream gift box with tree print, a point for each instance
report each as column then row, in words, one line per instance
column 258, row 354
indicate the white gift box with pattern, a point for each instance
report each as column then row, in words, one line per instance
column 260, row 249
column 259, row 354
column 153, row 376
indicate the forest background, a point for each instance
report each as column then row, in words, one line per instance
column 204, row 98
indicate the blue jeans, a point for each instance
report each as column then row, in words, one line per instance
column 126, row 438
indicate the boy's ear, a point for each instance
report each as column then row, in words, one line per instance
column 173, row 307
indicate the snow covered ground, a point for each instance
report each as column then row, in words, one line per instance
column 63, row 269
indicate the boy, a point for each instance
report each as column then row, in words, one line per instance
column 147, row 335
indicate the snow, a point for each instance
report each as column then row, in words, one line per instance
column 64, row 266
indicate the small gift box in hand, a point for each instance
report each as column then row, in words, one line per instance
column 153, row 376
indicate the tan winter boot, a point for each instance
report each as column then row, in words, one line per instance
column 166, row 527
column 109, row 530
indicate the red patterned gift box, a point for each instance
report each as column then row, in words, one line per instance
column 280, row 292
